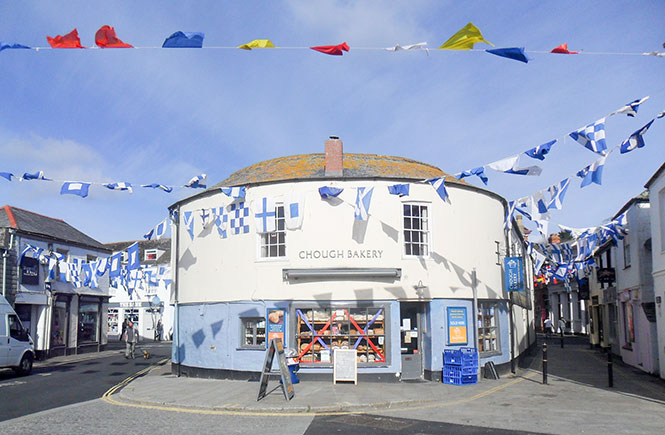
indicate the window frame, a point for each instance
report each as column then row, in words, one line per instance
column 428, row 245
column 255, row 333
column 628, row 339
column 482, row 306
column 147, row 252
column 264, row 238
column 626, row 251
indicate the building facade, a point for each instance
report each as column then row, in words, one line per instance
column 398, row 286
column 45, row 286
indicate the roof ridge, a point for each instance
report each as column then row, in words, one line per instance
column 38, row 214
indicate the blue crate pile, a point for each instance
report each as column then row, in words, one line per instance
column 460, row 366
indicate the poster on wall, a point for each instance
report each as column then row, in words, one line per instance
column 275, row 324
column 456, row 317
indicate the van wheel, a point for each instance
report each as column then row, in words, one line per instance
column 25, row 367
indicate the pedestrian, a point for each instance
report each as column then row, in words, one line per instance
column 562, row 325
column 131, row 338
column 159, row 330
column 548, row 327
column 124, row 328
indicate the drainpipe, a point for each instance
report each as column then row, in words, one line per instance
column 474, row 284
column 510, row 307
column 4, row 264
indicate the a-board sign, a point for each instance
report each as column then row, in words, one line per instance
column 275, row 347
column 345, row 365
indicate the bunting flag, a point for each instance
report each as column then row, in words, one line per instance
column 198, row 181
column 510, row 165
column 334, row 50
column 7, row 175
column 592, row 136
column 464, row 39
column 70, row 40
column 236, row 193
column 510, row 211
column 114, row 265
column 630, row 109
column 106, row 38
column 184, row 40
column 563, row 49
column 239, row 213
column 635, row 140
column 188, row 222
column 479, row 171
column 557, row 193
column 439, row 185
column 35, row 251
column 133, row 261
column 515, row 53
column 119, row 186
column 11, row 45
column 363, row 200
column 399, row 190
column 102, row 265
column 75, row 188
column 540, row 151
column 539, row 209
column 418, row 46
column 542, row 226
column 294, row 210
column 157, row 232
column 592, row 173
column 221, row 221
column 328, row 192
column 205, row 217
column 166, row 189
column 538, row 261
column 86, row 271
column 264, row 215
column 36, row 176
column 257, row 43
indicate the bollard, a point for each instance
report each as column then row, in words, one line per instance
column 544, row 363
column 610, row 374
column 561, row 339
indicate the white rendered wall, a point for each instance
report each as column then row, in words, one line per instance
column 657, row 215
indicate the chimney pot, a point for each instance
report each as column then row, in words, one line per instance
column 334, row 157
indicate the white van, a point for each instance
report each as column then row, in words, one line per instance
column 16, row 347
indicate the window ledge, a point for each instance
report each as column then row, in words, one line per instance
column 261, row 348
column 488, row 354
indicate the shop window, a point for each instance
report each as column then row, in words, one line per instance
column 253, row 332
column 626, row 251
column 488, row 327
column 273, row 245
column 150, row 255
column 88, row 321
column 59, row 323
column 416, row 229
column 112, row 324
column 320, row 331
column 629, row 325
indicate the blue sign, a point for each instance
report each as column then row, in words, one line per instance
column 514, row 274
column 456, row 317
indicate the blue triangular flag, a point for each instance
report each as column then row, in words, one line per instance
column 184, row 40
column 515, row 53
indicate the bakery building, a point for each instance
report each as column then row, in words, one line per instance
column 325, row 252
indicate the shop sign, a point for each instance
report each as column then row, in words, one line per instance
column 514, row 274
column 275, row 325
column 29, row 271
column 606, row 275
column 456, row 317
column 357, row 254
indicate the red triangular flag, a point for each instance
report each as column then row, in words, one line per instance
column 106, row 38
column 563, row 49
column 70, row 40
column 335, row 50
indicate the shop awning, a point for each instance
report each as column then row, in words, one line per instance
column 333, row 273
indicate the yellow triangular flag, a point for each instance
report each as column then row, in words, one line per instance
column 464, row 39
column 257, row 43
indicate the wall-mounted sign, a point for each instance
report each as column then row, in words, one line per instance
column 275, row 325
column 315, row 254
column 29, row 271
column 514, row 274
column 606, row 275
column 457, row 325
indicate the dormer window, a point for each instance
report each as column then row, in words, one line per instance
column 150, row 255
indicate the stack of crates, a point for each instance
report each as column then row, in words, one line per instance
column 460, row 367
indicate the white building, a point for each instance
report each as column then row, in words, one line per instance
column 62, row 317
column 656, row 186
column 397, row 287
column 145, row 300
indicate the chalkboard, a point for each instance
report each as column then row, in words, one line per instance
column 345, row 365
column 275, row 346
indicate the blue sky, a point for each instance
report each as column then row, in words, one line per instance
column 158, row 115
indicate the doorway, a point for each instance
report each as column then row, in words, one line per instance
column 411, row 339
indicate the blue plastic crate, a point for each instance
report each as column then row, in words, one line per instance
column 459, row 370
column 460, row 380
column 464, row 356
column 469, row 356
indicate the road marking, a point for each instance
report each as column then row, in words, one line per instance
column 45, row 374
column 107, row 398
column 12, row 383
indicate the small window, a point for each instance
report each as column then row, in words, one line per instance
column 416, row 230
column 90, row 258
column 63, row 252
column 273, row 245
column 150, row 255
column 626, row 251
column 488, row 327
column 253, row 332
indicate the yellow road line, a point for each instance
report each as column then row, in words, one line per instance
column 107, row 398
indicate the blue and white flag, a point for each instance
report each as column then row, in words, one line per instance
column 439, row 184
column 294, row 210
column 479, row 171
column 36, row 176
column 264, row 215
column 540, row 151
column 133, row 261
column 188, row 222
column 328, row 192
column 75, row 188
column 239, row 213
column 119, row 186
column 561, row 271
column 399, row 190
column 73, row 273
column 114, row 265
column 206, row 219
column 510, row 211
column 86, row 271
column 510, row 165
column 363, row 201
column 592, row 173
column 166, row 189
column 101, row 266
column 635, row 140
column 221, row 221
column 630, row 109
column 198, row 181
column 236, row 193
column 34, row 252
column 542, row 226
column 538, row 261
column 592, row 136
column 157, row 232
column 7, row 175
column 557, row 193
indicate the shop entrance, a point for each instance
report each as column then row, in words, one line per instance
column 411, row 321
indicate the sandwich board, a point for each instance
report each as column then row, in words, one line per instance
column 275, row 347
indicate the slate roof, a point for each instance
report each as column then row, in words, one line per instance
column 163, row 245
column 36, row 224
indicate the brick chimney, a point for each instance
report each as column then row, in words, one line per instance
column 334, row 157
